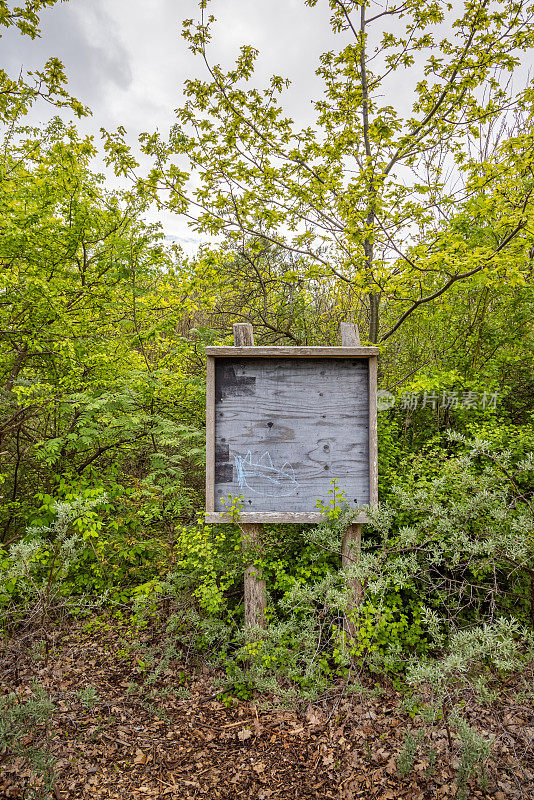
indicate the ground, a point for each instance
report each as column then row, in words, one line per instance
column 116, row 732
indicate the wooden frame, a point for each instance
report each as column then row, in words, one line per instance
column 212, row 353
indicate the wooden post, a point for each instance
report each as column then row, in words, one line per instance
column 243, row 334
column 351, row 550
column 352, row 540
column 350, row 335
column 255, row 585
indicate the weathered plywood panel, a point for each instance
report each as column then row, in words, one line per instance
column 285, row 427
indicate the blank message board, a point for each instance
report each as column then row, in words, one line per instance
column 282, row 424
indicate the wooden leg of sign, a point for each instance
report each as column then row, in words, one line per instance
column 350, row 555
column 350, row 335
column 352, row 540
column 255, row 586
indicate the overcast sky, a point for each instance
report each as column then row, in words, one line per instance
column 127, row 61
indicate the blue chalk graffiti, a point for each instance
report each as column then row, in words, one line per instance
column 261, row 477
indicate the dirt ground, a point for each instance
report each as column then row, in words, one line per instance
column 127, row 736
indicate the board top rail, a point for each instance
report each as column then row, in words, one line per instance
column 291, row 352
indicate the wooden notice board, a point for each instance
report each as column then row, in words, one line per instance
column 282, row 423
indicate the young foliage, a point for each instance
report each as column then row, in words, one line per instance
column 368, row 195
column 17, row 95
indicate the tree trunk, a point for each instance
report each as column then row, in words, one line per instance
column 374, row 317
column 368, row 246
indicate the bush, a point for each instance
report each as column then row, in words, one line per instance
column 446, row 568
column 35, row 569
column 461, row 535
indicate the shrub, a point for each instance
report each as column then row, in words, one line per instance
column 35, row 568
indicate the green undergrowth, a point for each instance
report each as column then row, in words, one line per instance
column 23, row 735
column 444, row 570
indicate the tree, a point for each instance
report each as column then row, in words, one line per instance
column 365, row 196
column 92, row 372
column 262, row 283
column 18, row 94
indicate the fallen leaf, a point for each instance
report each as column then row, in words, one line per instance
column 391, row 766
column 244, row 734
